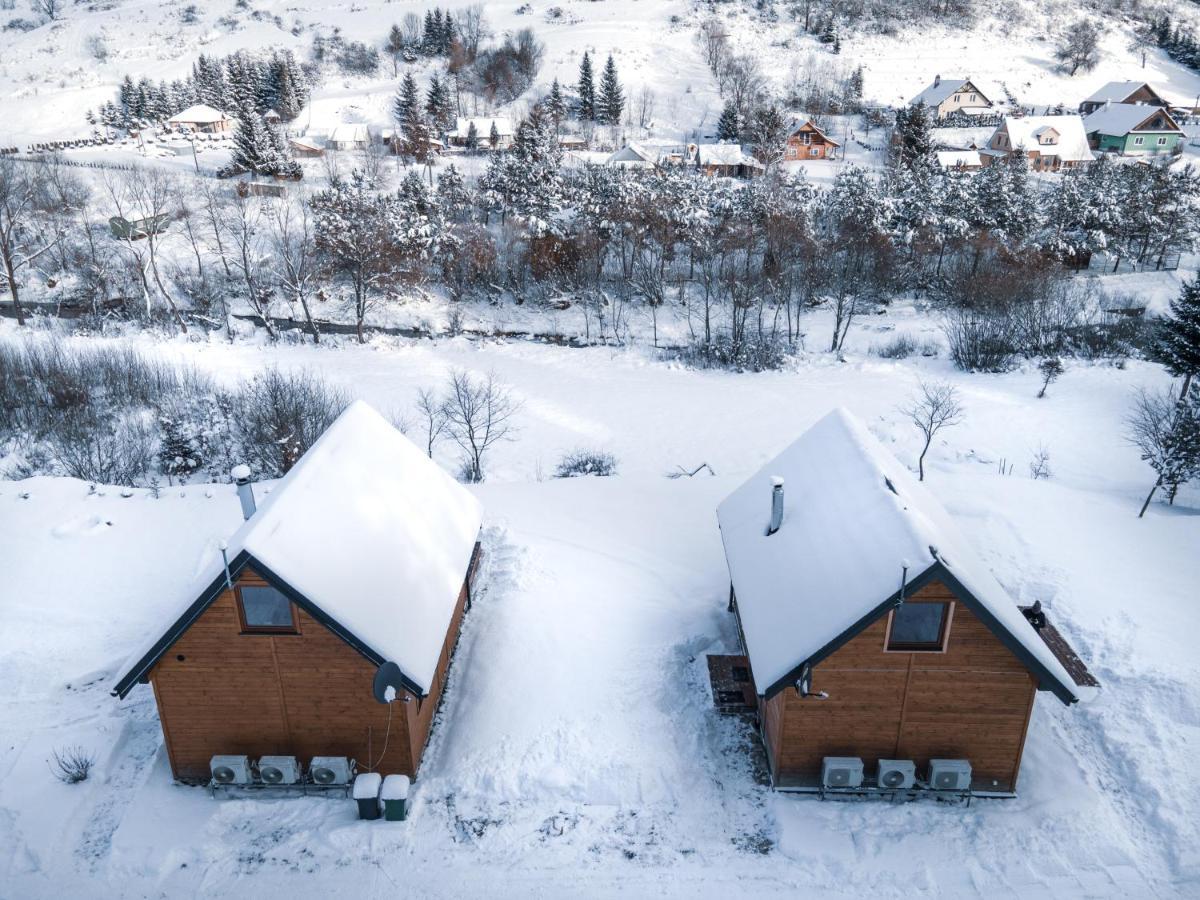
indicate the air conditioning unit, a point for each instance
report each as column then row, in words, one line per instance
column 949, row 775
column 896, row 774
column 230, row 769
column 842, row 771
column 279, row 770
column 330, row 770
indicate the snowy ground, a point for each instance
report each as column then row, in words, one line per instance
column 577, row 753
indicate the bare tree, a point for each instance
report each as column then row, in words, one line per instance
column 246, row 246
column 22, row 242
column 479, row 413
column 51, row 9
column 472, row 28
column 294, row 260
column 935, row 408
column 1079, row 47
column 645, row 106
column 433, row 417
column 1166, row 430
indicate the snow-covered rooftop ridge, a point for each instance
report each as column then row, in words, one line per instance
column 1071, row 144
column 853, row 518
column 1116, row 91
column 369, row 530
column 939, row 90
column 350, row 132
column 201, row 112
column 483, row 127
column 723, row 154
column 1121, row 118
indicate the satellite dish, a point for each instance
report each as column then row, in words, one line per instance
column 223, row 775
column 387, row 676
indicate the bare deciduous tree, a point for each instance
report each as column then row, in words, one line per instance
column 934, row 408
column 246, row 245
column 294, row 260
column 433, row 417
column 479, row 413
column 1166, row 430
column 21, row 241
column 51, row 9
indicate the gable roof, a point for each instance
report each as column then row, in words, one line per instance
column 366, row 533
column 1122, row 118
column 200, row 113
column 1120, row 91
column 801, row 125
column 944, row 87
column 350, row 133
column 949, row 159
column 483, row 127
column 1072, row 144
column 853, row 518
column 632, row 154
column 725, row 155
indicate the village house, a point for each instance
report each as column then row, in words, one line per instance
column 202, row 118
column 271, row 117
column 726, row 161
column 807, row 141
column 1051, row 143
column 872, row 634
column 305, row 147
column 959, row 160
column 633, row 156
column 349, row 137
column 1136, row 92
column 358, row 563
column 952, row 94
column 1133, row 129
column 502, row 139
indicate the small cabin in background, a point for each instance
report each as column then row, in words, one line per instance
column 360, row 559
column 1133, row 92
column 494, row 133
column 305, row 147
column 807, row 141
column 953, row 94
column 349, row 137
column 870, row 629
column 204, row 119
column 724, row 160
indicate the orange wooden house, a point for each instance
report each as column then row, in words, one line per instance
column 872, row 632
column 363, row 554
column 807, row 141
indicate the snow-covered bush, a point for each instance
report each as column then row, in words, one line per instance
column 586, row 462
column 279, row 415
column 754, row 354
column 902, row 346
column 72, row 765
column 979, row 341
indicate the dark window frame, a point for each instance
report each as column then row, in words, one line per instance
column 246, row 628
column 943, row 641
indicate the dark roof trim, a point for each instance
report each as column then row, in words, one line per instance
column 237, row 565
column 936, row 572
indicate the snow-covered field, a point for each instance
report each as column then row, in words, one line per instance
column 578, row 753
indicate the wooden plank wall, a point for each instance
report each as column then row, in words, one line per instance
column 306, row 694
column 972, row 702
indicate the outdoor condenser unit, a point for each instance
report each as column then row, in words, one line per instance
column 896, row 774
column 949, row 774
column 230, row 769
column 330, row 770
column 842, row 771
column 279, row 770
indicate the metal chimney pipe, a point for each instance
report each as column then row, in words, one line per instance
column 776, row 505
column 241, row 477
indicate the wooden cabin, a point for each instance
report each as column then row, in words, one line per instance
column 724, row 160
column 203, row 119
column 807, row 141
column 1135, row 92
column 363, row 554
column 869, row 627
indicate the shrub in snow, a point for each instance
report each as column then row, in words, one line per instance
column 71, row 765
column 902, row 346
column 979, row 341
column 935, row 407
column 1050, row 368
column 753, row 354
column 280, row 415
column 586, row 462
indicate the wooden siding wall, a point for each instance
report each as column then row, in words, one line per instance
column 304, row 695
column 972, row 702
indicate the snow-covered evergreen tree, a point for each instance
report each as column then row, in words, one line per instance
column 610, row 103
column 1178, row 344
column 728, row 126
column 587, row 89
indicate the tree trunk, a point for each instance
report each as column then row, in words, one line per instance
column 921, row 459
column 1150, row 497
column 11, row 274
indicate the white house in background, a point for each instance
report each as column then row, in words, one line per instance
column 1051, row 143
column 306, row 147
column 950, row 94
column 483, row 133
column 963, row 160
column 726, row 161
column 633, row 156
column 204, row 118
column 349, row 137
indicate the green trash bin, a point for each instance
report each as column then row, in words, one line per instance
column 395, row 797
column 366, row 793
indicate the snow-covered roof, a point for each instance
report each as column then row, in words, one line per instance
column 1119, row 91
column 1122, row 118
column 950, row 159
column 483, row 128
column 853, row 518
column 725, row 155
column 943, row 87
column 306, row 143
column 961, row 138
column 350, row 133
column 1072, row 143
column 366, row 529
column 200, row 114
column 633, row 155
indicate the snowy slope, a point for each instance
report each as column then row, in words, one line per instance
column 614, row 775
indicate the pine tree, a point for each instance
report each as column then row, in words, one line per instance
column 472, row 137
column 611, row 102
column 449, row 33
column 728, row 128
column 406, row 100
column 556, row 104
column 287, row 95
column 1178, row 344
column 494, row 135
column 855, row 87
column 429, row 34
column 395, row 47
column 254, row 149
column 587, row 90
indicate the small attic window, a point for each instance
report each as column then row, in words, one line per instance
column 919, row 626
column 265, row 610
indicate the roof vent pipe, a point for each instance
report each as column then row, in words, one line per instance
column 776, row 505
column 241, row 477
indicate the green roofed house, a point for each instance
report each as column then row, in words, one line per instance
column 1133, row 129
